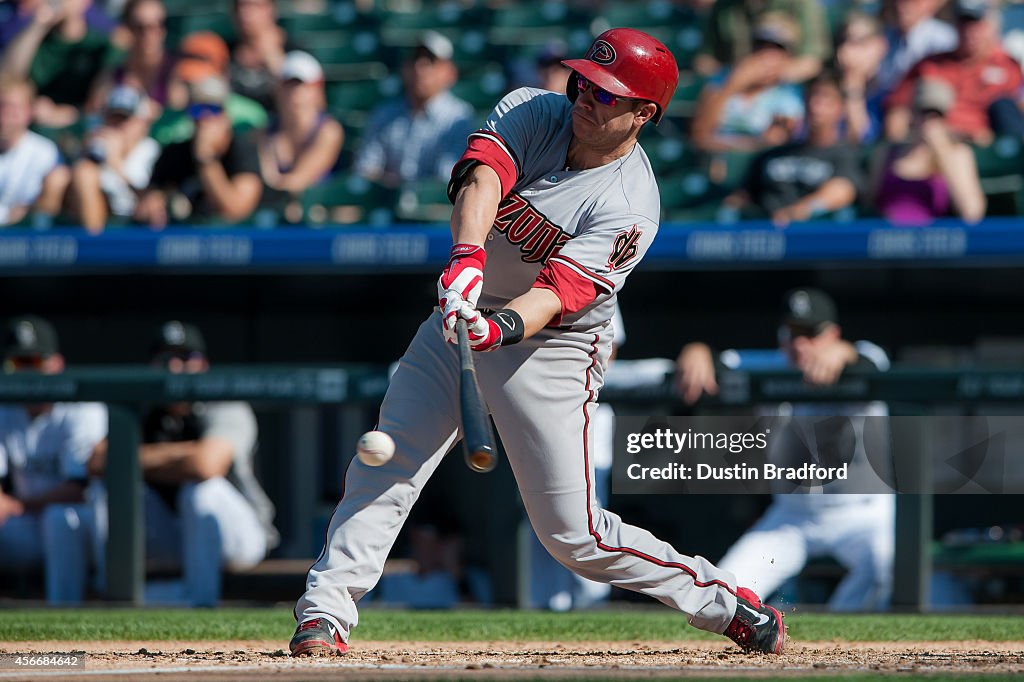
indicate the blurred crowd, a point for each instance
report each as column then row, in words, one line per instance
column 264, row 112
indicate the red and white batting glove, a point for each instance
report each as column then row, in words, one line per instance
column 484, row 333
column 502, row 328
column 463, row 276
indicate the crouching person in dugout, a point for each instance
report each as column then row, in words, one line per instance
column 204, row 509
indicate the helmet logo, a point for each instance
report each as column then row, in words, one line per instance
column 601, row 52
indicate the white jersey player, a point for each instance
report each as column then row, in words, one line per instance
column 558, row 200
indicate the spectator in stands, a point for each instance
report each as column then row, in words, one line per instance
column 913, row 33
column 552, row 74
column 259, row 51
column 32, row 175
column 117, row 163
column 216, row 172
column 63, row 56
column 202, row 55
column 16, row 15
column 862, row 47
column 749, row 107
column 421, row 135
column 44, row 451
column 204, row 508
column 809, row 178
column 148, row 64
column 303, row 144
column 852, row 524
column 918, row 181
column 985, row 80
column 730, row 36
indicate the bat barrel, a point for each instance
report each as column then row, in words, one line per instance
column 477, row 438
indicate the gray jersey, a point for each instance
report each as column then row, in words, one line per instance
column 587, row 229
column 39, row 454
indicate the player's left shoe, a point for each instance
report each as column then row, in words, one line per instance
column 317, row 637
column 756, row 626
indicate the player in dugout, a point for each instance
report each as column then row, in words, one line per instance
column 556, row 202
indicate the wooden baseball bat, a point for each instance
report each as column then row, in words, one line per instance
column 477, row 436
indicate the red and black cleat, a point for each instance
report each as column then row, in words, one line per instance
column 317, row 637
column 756, row 626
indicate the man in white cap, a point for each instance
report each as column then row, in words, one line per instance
column 421, row 135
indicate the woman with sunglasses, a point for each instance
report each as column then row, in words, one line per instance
column 557, row 199
column 148, row 65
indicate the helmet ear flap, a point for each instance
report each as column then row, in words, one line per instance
column 571, row 88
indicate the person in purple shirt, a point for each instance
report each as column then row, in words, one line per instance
column 16, row 15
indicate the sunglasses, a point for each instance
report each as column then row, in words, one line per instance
column 200, row 111
column 603, row 96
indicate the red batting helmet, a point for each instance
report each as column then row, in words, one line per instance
column 628, row 63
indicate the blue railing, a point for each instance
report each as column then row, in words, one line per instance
column 997, row 241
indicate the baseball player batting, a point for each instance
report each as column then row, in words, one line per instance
column 555, row 203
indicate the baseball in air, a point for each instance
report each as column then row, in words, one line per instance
column 375, row 448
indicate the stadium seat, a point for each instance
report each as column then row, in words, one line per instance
column 674, row 24
column 347, row 54
column 1002, row 175
column 359, row 97
column 482, row 87
column 426, row 202
column 348, row 199
column 538, row 23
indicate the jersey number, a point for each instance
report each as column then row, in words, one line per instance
column 625, row 248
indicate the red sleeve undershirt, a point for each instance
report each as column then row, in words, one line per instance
column 488, row 148
column 575, row 290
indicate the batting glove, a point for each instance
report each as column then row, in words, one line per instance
column 503, row 328
column 464, row 275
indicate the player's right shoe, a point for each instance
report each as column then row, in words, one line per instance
column 756, row 626
column 317, row 637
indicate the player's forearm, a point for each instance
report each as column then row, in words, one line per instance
column 185, row 460
column 537, row 307
column 69, row 492
column 476, row 205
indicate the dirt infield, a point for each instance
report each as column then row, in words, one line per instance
column 239, row 660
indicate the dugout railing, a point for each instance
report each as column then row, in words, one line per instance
column 125, row 389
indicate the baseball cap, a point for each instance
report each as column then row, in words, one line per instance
column 30, row 335
column 554, row 52
column 972, row 10
column 809, row 308
column 123, row 99
column 301, row 66
column 209, row 90
column 435, row 45
column 178, row 337
column 775, row 28
column 201, row 55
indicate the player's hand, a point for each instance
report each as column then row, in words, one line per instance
column 461, row 281
column 695, row 373
column 9, row 506
column 824, row 367
column 484, row 333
